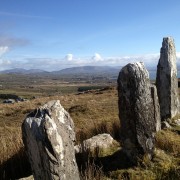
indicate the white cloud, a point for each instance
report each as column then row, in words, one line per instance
column 3, row 50
column 150, row 60
column 178, row 54
column 51, row 64
column 97, row 57
column 4, row 62
column 69, row 57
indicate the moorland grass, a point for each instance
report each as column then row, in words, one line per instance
column 93, row 113
column 89, row 112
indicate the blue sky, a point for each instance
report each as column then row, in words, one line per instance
column 56, row 34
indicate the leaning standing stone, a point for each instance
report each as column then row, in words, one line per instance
column 136, row 111
column 166, row 80
column 48, row 135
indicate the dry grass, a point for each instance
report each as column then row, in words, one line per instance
column 165, row 166
column 133, row 174
column 90, row 113
column 13, row 161
column 11, row 142
column 93, row 113
column 87, row 166
column 168, row 141
column 92, row 172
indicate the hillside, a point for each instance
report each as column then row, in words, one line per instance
column 89, row 70
column 81, row 70
column 77, row 72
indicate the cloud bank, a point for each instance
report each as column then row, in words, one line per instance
column 52, row 64
column 3, row 50
column 97, row 57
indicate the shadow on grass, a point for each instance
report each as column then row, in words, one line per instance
column 15, row 167
column 18, row 166
column 106, row 164
column 118, row 160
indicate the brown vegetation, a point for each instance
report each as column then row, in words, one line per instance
column 90, row 113
column 93, row 113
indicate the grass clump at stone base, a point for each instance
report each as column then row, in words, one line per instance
column 162, row 167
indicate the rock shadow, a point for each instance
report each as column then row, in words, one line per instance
column 15, row 167
column 116, row 161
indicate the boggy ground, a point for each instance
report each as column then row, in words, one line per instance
column 93, row 113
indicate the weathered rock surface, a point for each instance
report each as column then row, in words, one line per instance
column 48, row 135
column 177, row 122
column 166, row 80
column 155, row 99
column 27, row 178
column 136, row 111
column 101, row 140
column 166, row 125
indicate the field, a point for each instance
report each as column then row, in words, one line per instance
column 30, row 86
column 94, row 111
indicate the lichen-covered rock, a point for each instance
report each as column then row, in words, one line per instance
column 136, row 111
column 102, row 141
column 166, row 80
column 48, row 135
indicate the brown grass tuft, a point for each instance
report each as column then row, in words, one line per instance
column 168, row 141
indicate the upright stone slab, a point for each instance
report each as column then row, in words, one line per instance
column 156, row 107
column 48, row 135
column 136, row 111
column 166, row 80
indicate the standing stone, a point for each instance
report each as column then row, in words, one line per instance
column 166, row 80
column 156, row 107
column 48, row 135
column 136, row 111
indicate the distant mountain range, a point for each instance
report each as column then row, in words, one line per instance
column 22, row 71
column 78, row 71
column 90, row 70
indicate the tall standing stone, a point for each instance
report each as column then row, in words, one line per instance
column 136, row 111
column 166, row 80
column 48, row 135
